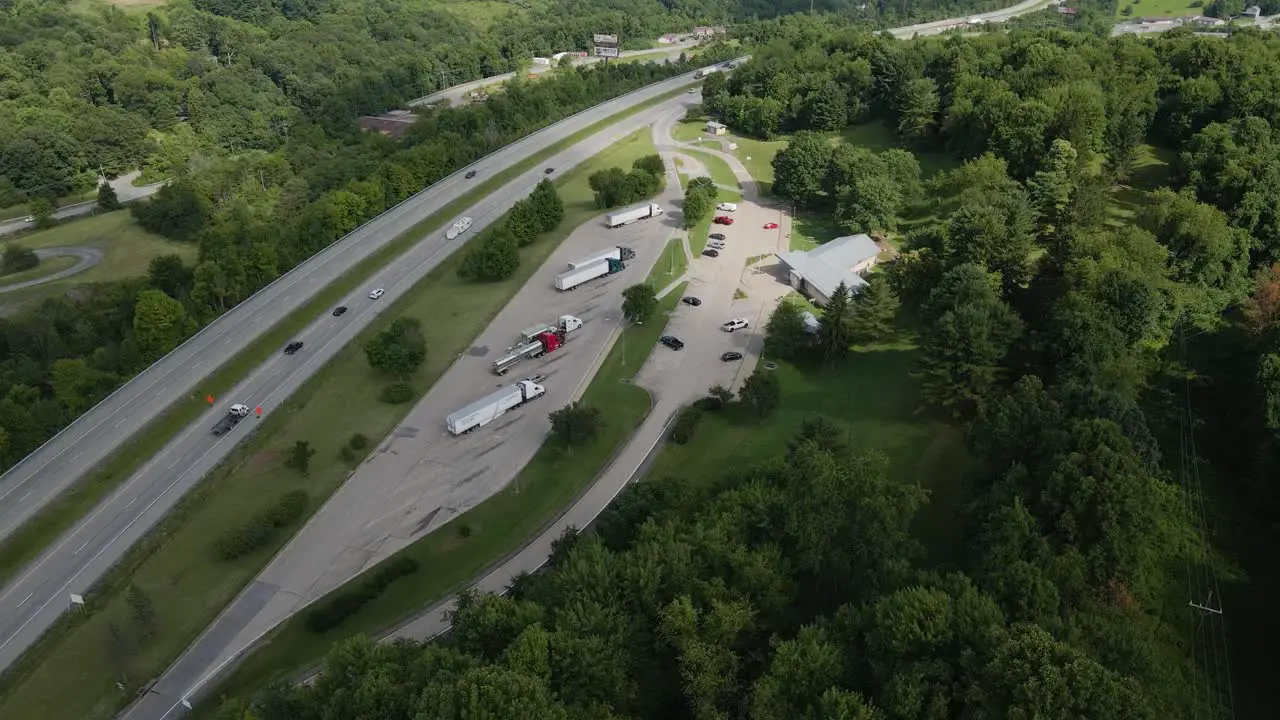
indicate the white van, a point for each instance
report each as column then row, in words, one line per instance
column 727, row 207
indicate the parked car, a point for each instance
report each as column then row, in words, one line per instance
column 711, row 252
column 734, row 324
column 548, row 171
column 723, row 220
column 376, row 293
column 471, row 174
column 716, row 236
column 715, row 244
column 771, row 226
column 340, row 311
column 672, row 342
column 727, row 207
column 695, row 302
column 693, row 90
column 731, row 356
column 293, row 347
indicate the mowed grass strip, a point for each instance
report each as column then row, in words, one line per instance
column 45, row 527
column 670, row 267
column 453, row 556
column 72, row 672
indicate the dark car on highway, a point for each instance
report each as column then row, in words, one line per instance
column 471, row 174
column 672, row 342
column 711, row 253
column 731, row 356
column 691, row 301
column 339, row 311
column 293, row 347
column 548, row 171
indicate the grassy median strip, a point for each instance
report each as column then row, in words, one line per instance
column 73, row 670
column 45, row 527
column 455, row 555
column 670, row 266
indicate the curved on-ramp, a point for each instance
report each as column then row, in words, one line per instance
column 87, row 257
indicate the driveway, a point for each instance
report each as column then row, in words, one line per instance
column 88, row 257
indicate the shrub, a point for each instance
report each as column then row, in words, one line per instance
column 396, row 393
column 358, row 442
column 258, row 531
column 347, row 454
column 685, row 425
column 334, row 610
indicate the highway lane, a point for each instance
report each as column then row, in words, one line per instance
column 83, row 445
column 32, row 603
column 126, row 192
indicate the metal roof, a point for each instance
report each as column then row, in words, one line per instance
column 827, row 265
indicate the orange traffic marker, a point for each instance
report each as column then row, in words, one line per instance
column 208, row 399
column 258, row 410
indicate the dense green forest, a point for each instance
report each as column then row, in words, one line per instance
column 1104, row 329
column 249, row 107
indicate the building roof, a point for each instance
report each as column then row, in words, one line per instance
column 714, row 124
column 827, row 265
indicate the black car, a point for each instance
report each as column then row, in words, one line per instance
column 691, row 301
column 293, row 347
column 731, row 356
column 711, row 253
column 471, row 174
column 716, row 236
column 548, row 171
column 339, row 311
column 671, row 342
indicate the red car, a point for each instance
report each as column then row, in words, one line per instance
column 771, row 226
column 723, row 220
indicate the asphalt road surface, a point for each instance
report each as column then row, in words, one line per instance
column 32, row 603
column 457, row 94
column 420, row 477
column 83, row 445
column 126, row 192
column 87, row 257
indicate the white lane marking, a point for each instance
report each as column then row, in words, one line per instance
column 24, row 497
column 25, row 599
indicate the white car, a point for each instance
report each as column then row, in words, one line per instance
column 375, row 294
column 716, row 245
column 734, row 324
column 727, row 207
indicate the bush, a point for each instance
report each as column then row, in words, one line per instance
column 358, row 442
column 17, row 259
column 258, row 531
column 347, row 454
column 686, row 424
column 710, row 403
column 334, row 610
column 397, row 393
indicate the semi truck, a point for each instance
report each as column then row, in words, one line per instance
column 490, row 408
column 463, row 225
column 573, row 278
column 234, row 415
column 536, row 342
column 706, row 71
column 626, row 216
column 614, row 253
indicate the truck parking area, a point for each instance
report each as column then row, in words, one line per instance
column 422, row 475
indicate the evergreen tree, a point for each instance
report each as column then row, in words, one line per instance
column 875, row 308
column 833, row 329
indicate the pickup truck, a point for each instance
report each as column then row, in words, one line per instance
column 233, row 417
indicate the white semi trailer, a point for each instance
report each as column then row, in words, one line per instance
column 486, row 410
column 573, row 278
column 614, row 253
column 626, row 216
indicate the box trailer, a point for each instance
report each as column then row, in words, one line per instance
column 573, row 278
column 490, row 408
column 614, row 253
column 565, row 324
column 626, row 216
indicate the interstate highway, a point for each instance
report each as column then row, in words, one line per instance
column 41, row 595
column 87, row 442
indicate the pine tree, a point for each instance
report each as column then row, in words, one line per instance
column 875, row 308
column 833, row 328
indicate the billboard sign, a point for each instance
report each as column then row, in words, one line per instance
column 606, row 52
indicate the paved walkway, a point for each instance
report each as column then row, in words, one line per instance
column 87, row 256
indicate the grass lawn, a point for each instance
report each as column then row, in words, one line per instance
column 452, row 558
column 873, row 396
column 126, row 248
column 810, row 228
column 670, row 266
column 46, row 267
column 1158, row 8
column 23, row 546
column 721, row 173
column 1150, row 172
column 174, row 564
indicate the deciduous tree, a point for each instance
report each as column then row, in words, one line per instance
column 639, row 302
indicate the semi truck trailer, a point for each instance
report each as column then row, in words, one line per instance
column 614, row 253
column 537, row 341
column 234, row 415
column 486, row 410
column 626, row 216
column 463, row 225
column 573, row 278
